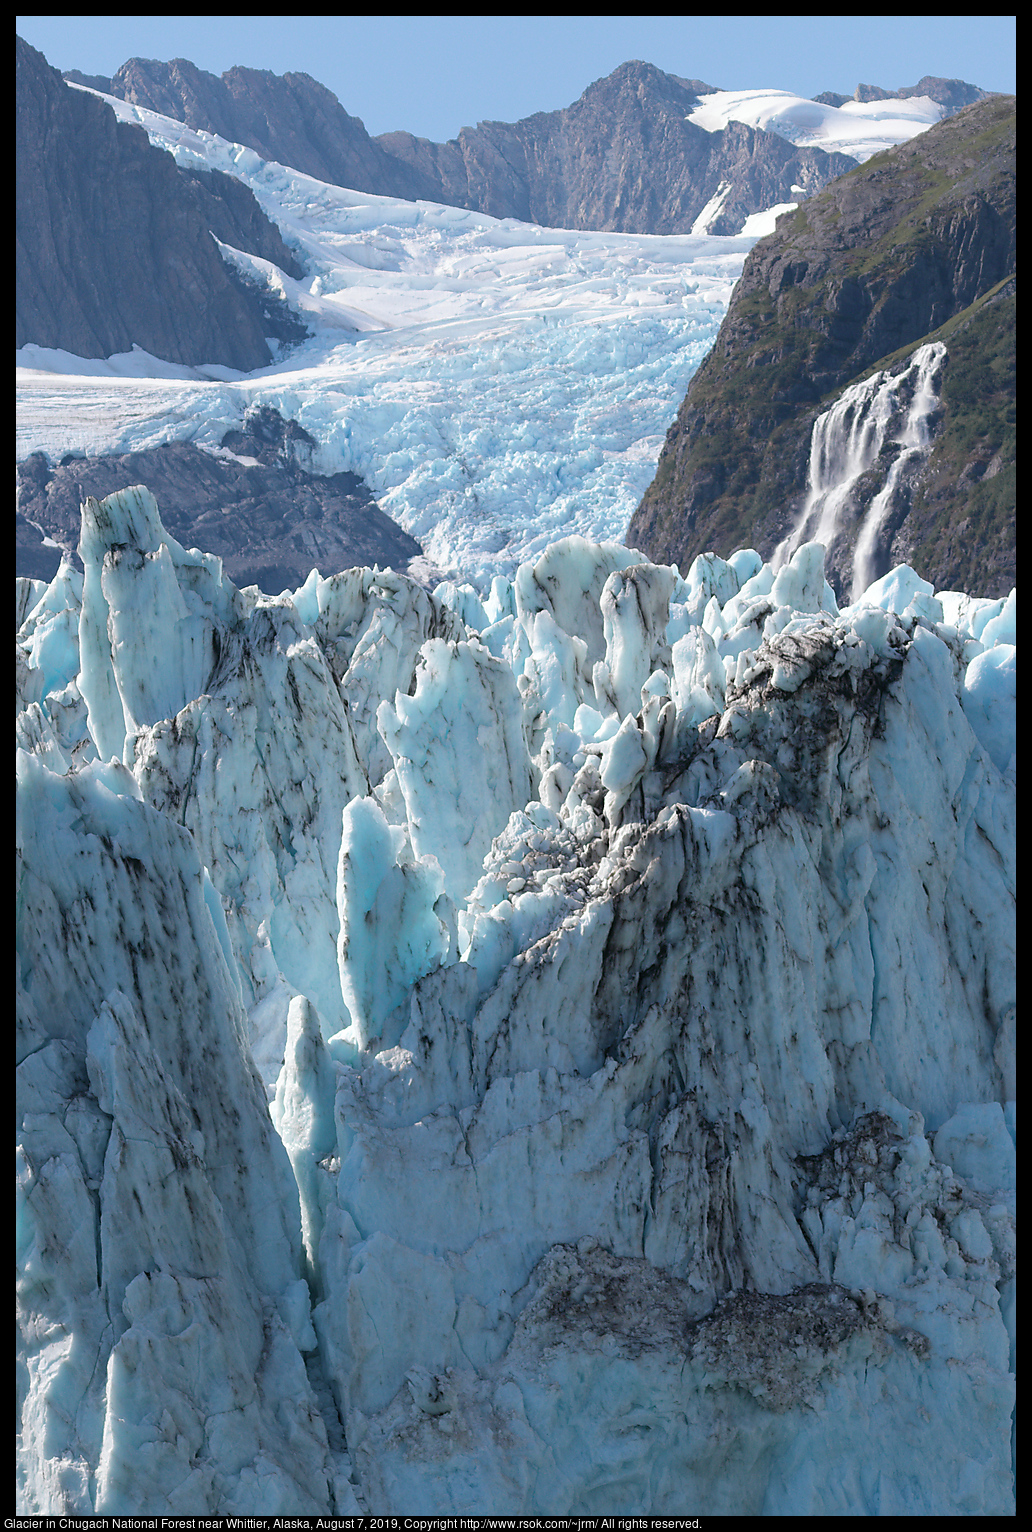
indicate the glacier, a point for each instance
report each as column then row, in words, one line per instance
column 542, row 1047
column 498, row 385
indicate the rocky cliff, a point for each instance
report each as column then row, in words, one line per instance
column 114, row 243
column 915, row 246
column 623, row 157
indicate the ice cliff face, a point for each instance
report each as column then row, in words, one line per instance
column 628, row 964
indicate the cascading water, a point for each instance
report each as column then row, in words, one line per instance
column 915, row 441
column 846, row 443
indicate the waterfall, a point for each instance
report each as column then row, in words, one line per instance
column 846, row 442
column 914, row 439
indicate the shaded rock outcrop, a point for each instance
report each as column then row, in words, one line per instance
column 917, row 244
column 114, row 243
column 256, row 505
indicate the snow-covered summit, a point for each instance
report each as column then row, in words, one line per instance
column 857, row 128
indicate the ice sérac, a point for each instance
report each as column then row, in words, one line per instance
column 547, row 1050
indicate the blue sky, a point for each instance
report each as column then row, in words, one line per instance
column 433, row 75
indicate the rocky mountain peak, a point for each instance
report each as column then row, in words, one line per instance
column 647, row 82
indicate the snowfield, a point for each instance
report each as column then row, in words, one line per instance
column 859, row 128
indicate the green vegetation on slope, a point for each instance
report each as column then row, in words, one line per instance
column 963, row 517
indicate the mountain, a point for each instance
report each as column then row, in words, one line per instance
column 542, row 1054
column 118, row 251
column 483, row 415
column 914, row 249
column 115, row 244
column 495, row 384
column 290, row 118
column 625, row 156
column 541, row 1048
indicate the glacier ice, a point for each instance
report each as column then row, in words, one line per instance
column 547, row 1050
column 497, row 384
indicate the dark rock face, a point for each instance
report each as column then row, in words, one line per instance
column 271, row 523
column 235, row 218
column 34, row 558
column 916, row 244
column 623, row 157
column 113, row 242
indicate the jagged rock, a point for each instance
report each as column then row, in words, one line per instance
column 914, row 246
column 113, row 241
column 290, row 118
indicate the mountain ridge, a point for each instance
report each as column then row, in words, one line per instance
column 564, row 169
column 555, row 168
column 952, row 95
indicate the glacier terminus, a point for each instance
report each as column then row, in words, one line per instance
column 547, row 1049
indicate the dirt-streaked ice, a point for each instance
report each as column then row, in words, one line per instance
column 623, row 1124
